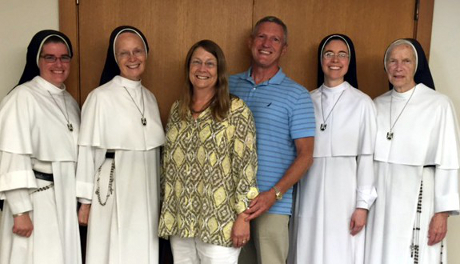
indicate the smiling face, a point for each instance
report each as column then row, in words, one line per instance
column 400, row 65
column 335, row 61
column 267, row 45
column 203, row 70
column 54, row 72
column 131, row 55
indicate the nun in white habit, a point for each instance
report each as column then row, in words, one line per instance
column 39, row 125
column 416, row 163
column 334, row 197
column 118, row 174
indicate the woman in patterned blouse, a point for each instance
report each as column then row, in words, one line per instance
column 210, row 164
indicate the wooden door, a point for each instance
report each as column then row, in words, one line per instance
column 172, row 26
column 372, row 25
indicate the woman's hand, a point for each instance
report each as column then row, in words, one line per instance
column 438, row 228
column 240, row 231
column 83, row 214
column 358, row 221
column 23, row 225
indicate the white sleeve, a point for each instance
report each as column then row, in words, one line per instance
column 18, row 201
column 366, row 192
column 446, row 198
column 16, row 179
column 89, row 160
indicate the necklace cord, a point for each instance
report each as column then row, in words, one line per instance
column 400, row 113
column 66, row 114
column 143, row 119
column 204, row 107
column 322, row 111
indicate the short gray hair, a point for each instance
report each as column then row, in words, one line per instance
column 271, row 19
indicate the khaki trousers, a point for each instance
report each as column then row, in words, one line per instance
column 269, row 242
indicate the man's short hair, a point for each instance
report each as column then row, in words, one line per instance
column 272, row 19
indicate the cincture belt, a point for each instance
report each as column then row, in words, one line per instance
column 44, row 176
column 110, row 155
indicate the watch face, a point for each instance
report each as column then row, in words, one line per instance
column 279, row 196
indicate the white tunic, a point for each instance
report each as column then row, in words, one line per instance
column 340, row 179
column 426, row 134
column 33, row 129
column 125, row 229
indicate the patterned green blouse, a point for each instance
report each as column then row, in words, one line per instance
column 209, row 174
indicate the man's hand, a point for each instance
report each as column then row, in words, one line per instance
column 23, row 225
column 262, row 203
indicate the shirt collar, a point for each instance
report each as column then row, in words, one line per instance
column 277, row 79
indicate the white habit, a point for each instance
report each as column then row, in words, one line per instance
column 340, row 179
column 124, row 230
column 33, row 132
column 424, row 147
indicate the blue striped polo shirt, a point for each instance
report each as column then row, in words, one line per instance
column 283, row 111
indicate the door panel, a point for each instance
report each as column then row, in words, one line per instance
column 173, row 26
column 372, row 25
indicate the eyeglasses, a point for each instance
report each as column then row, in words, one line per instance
column 330, row 55
column 135, row 53
column 207, row 64
column 51, row 58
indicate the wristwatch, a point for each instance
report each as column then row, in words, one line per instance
column 278, row 193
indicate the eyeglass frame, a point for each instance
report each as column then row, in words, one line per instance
column 209, row 64
column 50, row 58
column 329, row 55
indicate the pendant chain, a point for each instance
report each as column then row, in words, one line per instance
column 143, row 119
column 66, row 114
column 324, row 125
column 204, row 107
column 390, row 133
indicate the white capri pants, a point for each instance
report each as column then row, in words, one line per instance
column 195, row 251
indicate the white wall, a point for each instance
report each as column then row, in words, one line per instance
column 19, row 21
column 445, row 67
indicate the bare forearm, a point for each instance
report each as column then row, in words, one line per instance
column 295, row 172
column 265, row 200
column 299, row 167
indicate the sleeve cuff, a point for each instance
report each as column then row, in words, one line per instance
column 84, row 201
column 447, row 203
column 243, row 203
column 85, row 191
column 365, row 197
column 19, row 201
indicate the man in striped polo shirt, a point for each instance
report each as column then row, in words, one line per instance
column 285, row 127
